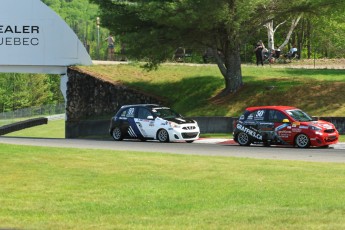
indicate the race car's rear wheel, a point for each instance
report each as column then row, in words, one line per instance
column 267, row 143
column 302, row 141
column 163, row 135
column 243, row 139
column 117, row 134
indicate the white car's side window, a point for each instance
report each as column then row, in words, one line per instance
column 143, row 113
column 130, row 112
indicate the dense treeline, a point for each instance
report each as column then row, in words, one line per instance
column 27, row 90
column 81, row 16
column 319, row 35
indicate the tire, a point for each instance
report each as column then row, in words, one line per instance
column 117, row 134
column 163, row 135
column 302, row 141
column 267, row 144
column 243, row 139
column 189, row 141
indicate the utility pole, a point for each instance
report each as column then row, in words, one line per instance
column 98, row 23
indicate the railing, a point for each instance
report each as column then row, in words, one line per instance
column 17, row 115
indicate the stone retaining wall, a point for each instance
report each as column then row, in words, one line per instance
column 90, row 97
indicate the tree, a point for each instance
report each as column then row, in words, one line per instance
column 81, row 16
column 328, row 34
column 271, row 31
column 326, row 17
column 27, row 90
column 153, row 29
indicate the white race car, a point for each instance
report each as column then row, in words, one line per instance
column 152, row 122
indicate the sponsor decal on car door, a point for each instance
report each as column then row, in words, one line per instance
column 133, row 129
column 147, row 127
column 283, row 132
column 130, row 125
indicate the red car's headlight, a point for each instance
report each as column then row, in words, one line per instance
column 315, row 128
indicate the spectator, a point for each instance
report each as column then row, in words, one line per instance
column 110, row 39
column 293, row 52
column 258, row 49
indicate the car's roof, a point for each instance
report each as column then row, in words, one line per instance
column 141, row 105
column 276, row 107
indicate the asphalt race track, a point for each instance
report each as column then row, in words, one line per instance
column 206, row 147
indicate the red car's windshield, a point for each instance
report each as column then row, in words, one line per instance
column 299, row 115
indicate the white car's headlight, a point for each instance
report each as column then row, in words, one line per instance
column 196, row 123
column 174, row 125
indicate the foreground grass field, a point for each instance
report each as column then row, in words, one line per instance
column 55, row 188
column 58, row 188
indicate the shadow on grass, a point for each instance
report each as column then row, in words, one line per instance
column 190, row 90
column 192, row 96
column 186, row 95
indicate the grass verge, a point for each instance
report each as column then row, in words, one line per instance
column 191, row 89
column 55, row 188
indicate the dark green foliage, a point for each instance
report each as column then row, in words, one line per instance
column 27, row 90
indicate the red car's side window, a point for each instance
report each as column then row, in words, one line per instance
column 258, row 115
column 276, row 116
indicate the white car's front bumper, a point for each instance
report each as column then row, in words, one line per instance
column 185, row 132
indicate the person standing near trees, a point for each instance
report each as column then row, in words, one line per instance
column 110, row 39
column 258, row 49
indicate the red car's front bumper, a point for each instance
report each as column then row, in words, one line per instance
column 324, row 139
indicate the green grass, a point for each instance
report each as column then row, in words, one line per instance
column 56, row 188
column 191, row 89
column 59, row 188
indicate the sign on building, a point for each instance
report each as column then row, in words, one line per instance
column 34, row 39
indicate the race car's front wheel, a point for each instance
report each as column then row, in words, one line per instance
column 302, row 141
column 117, row 134
column 243, row 139
column 163, row 135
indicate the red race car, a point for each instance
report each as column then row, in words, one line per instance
column 283, row 125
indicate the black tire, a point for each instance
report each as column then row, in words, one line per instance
column 267, row 144
column 117, row 134
column 302, row 141
column 189, row 141
column 243, row 139
column 163, row 135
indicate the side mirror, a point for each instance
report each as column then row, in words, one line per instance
column 286, row 120
column 150, row 117
column 315, row 118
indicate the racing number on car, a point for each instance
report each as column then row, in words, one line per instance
column 130, row 112
column 260, row 113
